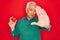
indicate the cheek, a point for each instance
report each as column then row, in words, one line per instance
column 34, row 13
column 29, row 12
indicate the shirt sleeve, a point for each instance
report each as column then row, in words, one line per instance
column 15, row 32
column 46, row 29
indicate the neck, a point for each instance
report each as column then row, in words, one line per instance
column 29, row 18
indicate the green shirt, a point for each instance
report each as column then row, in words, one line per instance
column 26, row 31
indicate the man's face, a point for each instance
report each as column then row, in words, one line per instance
column 31, row 11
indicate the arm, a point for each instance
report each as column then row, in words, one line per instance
column 46, row 29
column 15, row 32
column 14, row 26
column 43, row 19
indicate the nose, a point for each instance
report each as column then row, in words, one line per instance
column 33, row 11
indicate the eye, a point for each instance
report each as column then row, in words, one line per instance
column 32, row 10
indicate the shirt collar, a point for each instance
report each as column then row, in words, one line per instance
column 30, row 19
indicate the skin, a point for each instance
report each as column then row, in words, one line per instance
column 31, row 11
column 43, row 19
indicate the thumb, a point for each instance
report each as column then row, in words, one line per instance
column 34, row 23
column 15, row 21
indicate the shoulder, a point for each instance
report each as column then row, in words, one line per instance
column 20, row 20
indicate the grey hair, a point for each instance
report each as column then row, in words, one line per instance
column 27, row 6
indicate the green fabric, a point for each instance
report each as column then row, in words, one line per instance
column 26, row 31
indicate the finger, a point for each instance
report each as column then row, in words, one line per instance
column 15, row 21
column 11, row 18
column 44, row 12
column 38, row 10
column 34, row 23
column 11, row 22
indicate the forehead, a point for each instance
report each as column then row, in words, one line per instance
column 31, row 5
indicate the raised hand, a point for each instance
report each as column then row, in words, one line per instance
column 43, row 19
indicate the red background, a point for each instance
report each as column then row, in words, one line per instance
column 16, row 8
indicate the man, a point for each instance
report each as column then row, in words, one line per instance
column 29, row 27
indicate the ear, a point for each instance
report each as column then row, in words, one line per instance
column 26, row 10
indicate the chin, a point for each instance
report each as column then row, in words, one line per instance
column 31, row 16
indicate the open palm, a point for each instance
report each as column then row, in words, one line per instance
column 43, row 19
